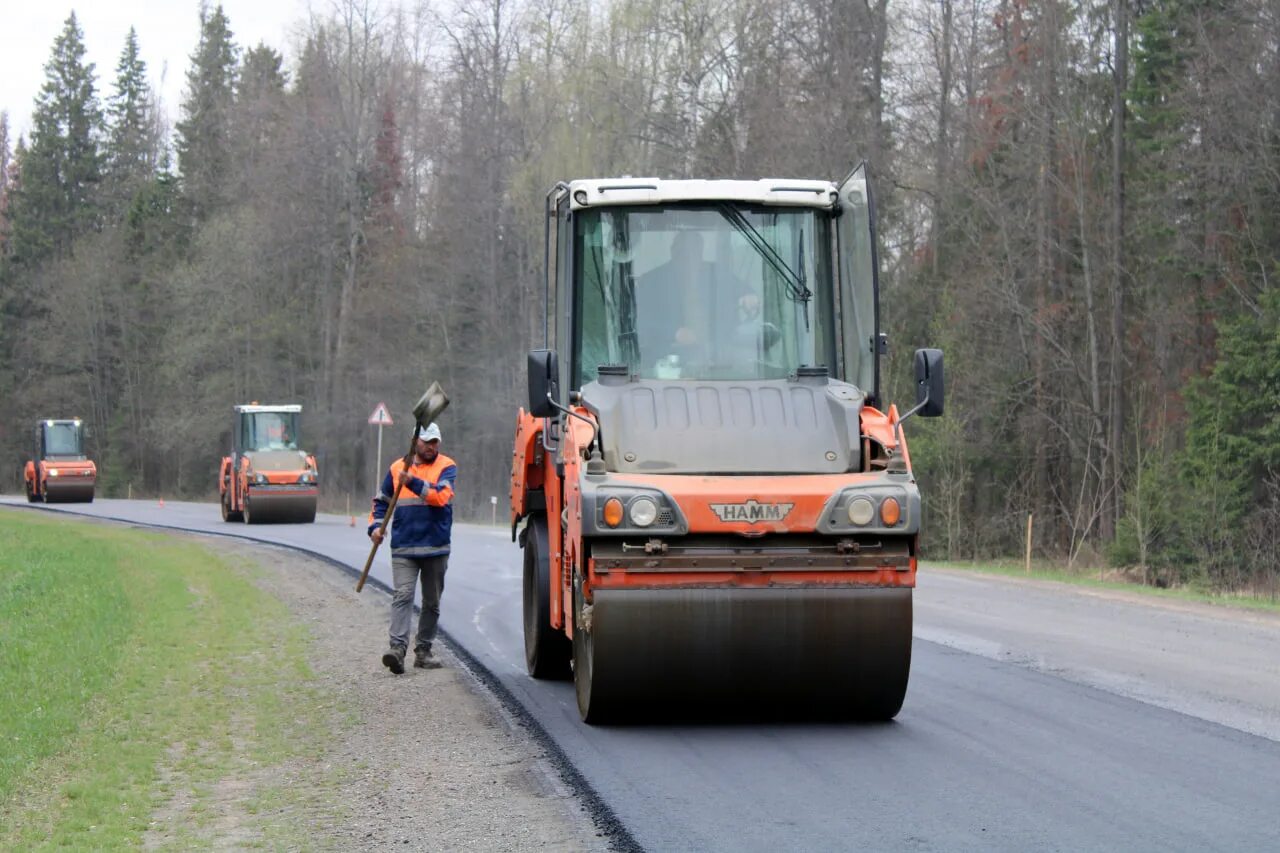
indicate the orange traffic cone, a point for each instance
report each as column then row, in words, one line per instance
column 162, row 502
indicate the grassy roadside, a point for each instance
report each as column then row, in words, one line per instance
column 141, row 679
column 1089, row 578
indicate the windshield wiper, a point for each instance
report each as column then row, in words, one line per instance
column 796, row 284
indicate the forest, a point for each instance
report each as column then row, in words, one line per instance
column 1079, row 204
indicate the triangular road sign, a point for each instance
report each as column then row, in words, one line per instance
column 380, row 416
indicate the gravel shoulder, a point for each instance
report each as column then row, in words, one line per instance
column 422, row 761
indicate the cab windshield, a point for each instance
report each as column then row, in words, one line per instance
column 702, row 291
column 269, row 431
column 63, row 439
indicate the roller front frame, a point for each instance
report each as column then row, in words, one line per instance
column 74, row 483
column 802, row 615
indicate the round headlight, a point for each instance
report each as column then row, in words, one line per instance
column 53, row 472
column 643, row 512
column 861, row 511
column 262, row 479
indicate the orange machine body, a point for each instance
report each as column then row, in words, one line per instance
column 534, row 473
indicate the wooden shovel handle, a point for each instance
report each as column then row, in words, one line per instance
column 391, row 507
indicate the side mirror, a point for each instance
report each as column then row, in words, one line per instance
column 929, row 382
column 544, row 382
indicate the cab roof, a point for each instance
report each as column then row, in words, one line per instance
column 777, row 191
column 253, row 408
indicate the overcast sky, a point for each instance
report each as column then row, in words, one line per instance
column 167, row 34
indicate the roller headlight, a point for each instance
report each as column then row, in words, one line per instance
column 643, row 512
column 53, row 472
column 261, row 479
column 861, row 511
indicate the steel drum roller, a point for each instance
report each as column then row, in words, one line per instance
column 280, row 507
column 68, row 492
column 825, row 652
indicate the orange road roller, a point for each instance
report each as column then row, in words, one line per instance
column 716, row 504
column 60, row 471
column 268, row 478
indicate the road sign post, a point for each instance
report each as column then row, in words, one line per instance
column 380, row 417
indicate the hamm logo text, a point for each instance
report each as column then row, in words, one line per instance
column 751, row 511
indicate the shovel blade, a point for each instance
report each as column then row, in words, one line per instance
column 430, row 404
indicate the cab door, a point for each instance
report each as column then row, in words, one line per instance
column 858, row 266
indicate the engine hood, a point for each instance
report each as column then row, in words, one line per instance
column 727, row 427
column 277, row 460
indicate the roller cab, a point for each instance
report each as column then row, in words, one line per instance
column 717, row 510
column 268, row 477
column 60, row 470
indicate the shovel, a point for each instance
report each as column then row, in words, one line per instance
column 426, row 410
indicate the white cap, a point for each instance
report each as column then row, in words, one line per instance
column 430, row 432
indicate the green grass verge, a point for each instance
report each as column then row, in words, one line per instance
column 138, row 675
column 1089, row 578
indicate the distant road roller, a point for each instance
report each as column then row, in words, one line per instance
column 59, row 470
column 268, row 478
column 719, row 510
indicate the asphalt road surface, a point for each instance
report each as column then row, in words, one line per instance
column 1038, row 717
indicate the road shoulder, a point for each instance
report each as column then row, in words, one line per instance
column 423, row 761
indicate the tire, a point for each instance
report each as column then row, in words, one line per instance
column 247, row 512
column 546, row 650
column 591, row 706
column 227, row 514
column 31, row 495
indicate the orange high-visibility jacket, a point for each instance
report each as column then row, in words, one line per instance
column 423, row 519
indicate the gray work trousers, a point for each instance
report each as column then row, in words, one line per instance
column 405, row 572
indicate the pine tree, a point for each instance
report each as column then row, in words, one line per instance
column 6, row 156
column 130, row 152
column 259, row 108
column 61, row 169
column 204, row 134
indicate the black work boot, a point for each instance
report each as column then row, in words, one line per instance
column 422, row 659
column 394, row 660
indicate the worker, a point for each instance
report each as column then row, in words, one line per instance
column 684, row 308
column 420, row 530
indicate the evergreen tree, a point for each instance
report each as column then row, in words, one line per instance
column 1232, row 449
column 152, row 215
column 204, row 134
column 6, row 155
column 1235, row 411
column 130, row 142
column 61, row 169
column 259, row 108
column 1159, row 59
